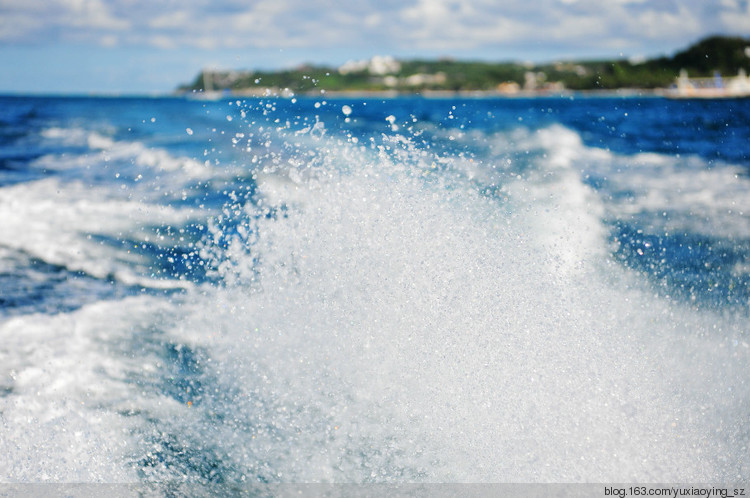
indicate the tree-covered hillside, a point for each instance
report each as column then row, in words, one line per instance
column 726, row 55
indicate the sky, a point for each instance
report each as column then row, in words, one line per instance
column 147, row 46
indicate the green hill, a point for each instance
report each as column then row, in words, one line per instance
column 726, row 55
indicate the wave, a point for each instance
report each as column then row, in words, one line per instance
column 389, row 321
column 378, row 310
column 75, row 226
column 71, row 389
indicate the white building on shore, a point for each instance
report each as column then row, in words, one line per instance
column 379, row 65
column 711, row 88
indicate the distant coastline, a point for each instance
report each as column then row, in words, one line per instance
column 427, row 94
column 387, row 77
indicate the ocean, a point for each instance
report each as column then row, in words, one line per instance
column 334, row 289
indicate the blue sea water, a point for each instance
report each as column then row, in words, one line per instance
column 269, row 290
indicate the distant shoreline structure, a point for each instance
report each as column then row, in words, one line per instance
column 716, row 87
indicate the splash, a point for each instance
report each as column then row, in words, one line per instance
column 385, row 319
column 369, row 294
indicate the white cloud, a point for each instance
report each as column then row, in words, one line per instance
column 163, row 42
column 656, row 24
column 736, row 15
column 375, row 25
column 373, row 20
column 109, row 41
column 172, row 20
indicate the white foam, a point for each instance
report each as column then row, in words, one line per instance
column 387, row 328
column 675, row 194
column 551, row 198
column 386, row 322
column 76, row 136
column 68, row 386
column 53, row 221
column 692, row 197
column 125, row 155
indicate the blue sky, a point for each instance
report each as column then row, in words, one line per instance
column 145, row 46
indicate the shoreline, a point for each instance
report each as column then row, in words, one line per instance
column 622, row 93
column 427, row 94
